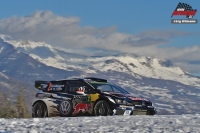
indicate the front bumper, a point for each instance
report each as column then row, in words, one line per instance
column 134, row 110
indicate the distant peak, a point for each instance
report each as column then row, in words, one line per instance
column 5, row 37
column 28, row 44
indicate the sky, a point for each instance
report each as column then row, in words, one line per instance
column 108, row 26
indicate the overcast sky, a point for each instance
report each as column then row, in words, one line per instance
column 136, row 27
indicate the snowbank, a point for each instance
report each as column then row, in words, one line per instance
column 140, row 124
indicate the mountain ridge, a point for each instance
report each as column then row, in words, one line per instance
column 145, row 66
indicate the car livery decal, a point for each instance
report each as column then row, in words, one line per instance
column 81, row 98
column 84, row 107
column 65, row 107
column 94, row 97
column 49, row 86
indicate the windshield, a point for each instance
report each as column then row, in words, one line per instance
column 107, row 87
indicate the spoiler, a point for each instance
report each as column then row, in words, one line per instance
column 96, row 79
column 41, row 84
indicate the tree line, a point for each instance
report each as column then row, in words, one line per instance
column 13, row 109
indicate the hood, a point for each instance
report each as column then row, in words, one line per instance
column 129, row 96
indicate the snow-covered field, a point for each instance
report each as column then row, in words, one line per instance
column 138, row 124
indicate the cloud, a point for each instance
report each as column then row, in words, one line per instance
column 166, row 33
column 51, row 28
column 67, row 33
column 145, row 41
column 191, row 68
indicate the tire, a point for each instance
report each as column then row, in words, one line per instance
column 102, row 108
column 65, row 108
column 39, row 110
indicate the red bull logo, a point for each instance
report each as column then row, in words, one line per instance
column 84, row 107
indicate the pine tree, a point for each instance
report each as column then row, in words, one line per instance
column 8, row 111
column 22, row 109
column 6, row 108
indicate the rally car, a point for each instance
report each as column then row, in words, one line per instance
column 86, row 96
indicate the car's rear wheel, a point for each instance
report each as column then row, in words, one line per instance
column 102, row 108
column 39, row 110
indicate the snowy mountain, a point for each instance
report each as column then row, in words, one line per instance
column 173, row 90
column 135, row 66
column 20, row 65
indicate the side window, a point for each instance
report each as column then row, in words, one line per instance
column 56, row 86
column 105, row 88
column 115, row 89
column 74, row 86
column 119, row 89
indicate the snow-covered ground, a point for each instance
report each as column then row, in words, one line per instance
column 115, row 124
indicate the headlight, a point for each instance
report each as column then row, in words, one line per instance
column 110, row 99
column 118, row 101
column 123, row 102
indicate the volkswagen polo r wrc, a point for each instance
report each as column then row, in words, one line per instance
column 86, row 96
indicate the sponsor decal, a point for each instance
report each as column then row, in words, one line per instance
column 81, row 98
column 49, row 86
column 89, row 98
column 43, row 86
column 184, row 9
column 47, row 95
column 94, row 97
column 55, row 87
column 82, row 107
column 81, row 89
column 52, row 87
column 42, row 95
column 65, row 107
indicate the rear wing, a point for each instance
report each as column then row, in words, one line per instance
column 96, row 79
column 41, row 84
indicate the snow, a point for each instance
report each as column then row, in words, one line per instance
column 3, row 75
column 4, row 84
column 1, row 49
column 142, row 124
column 28, row 44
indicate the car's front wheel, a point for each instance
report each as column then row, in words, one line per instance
column 102, row 108
column 39, row 110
